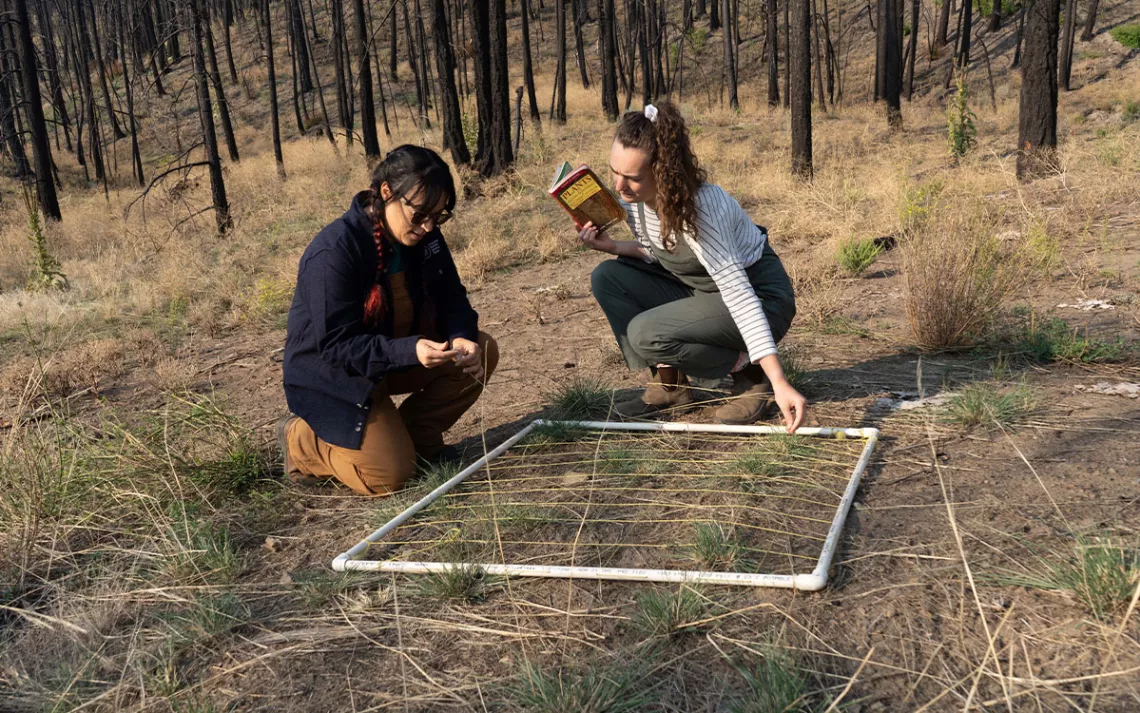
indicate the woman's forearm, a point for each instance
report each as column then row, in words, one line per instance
column 772, row 369
column 631, row 248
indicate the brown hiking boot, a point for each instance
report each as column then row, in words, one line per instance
column 751, row 398
column 658, row 396
column 291, row 473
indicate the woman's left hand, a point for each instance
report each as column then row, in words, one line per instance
column 792, row 404
column 470, row 357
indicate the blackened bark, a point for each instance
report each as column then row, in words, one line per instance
column 558, row 103
column 453, row 137
column 729, row 55
column 298, row 114
column 1067, row 40
column 316, row 78
column 1017, row 46
column 967, row 31
column 714, row 15
column 912, row 45
column 83, row 69
column 1090, row 21
column 393, row 59
column 787, row 54
column 817, row 58
column 800, row 89
column 33, row 105
column 274, row 112
column 940, row 34
column 300, row 47
column 995, row 16
column 93, row 49
column 55, row 85
column 206, row 117
column 498, row 155
column 1037, row 119
column 773, row 45
column 579, row 41
column 608, row 46
column 216, row 80
column 528, row 67
column 643, row 52
column 227, row 21
column 343, row 86
column 364, row 78
column 128, row 85
column 890, row 63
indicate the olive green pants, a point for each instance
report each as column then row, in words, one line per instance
column 657, row 319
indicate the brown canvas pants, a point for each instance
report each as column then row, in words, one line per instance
column 394, row 437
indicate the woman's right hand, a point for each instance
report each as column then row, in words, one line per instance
column 595, row 240
column 432, row 354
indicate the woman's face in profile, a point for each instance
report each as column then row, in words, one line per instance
column 632, row 174
column 406, row 219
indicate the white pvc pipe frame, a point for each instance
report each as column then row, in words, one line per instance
column 812, row 582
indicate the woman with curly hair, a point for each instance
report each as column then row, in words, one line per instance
column 699, row 292
column 378, row 311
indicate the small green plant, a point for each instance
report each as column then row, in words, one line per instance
column 464, row 583
column 47, row 273
column 237, row 469
column 1026, row 338
column 1100, row 573
column 666, row 612
column 961, row 130
column 1131, row 111
column 590, row 687
column 616, row 460
column 855, row 256
column 582, row 398
column 318, row 588
column 773, row 684
column 984, row 404
column 553, row 434
column 916, row 205
column 716, row 546
column 698, row 39
column 1127, row 35
column 1042, row 248
column 204, row 619
column 202, row 551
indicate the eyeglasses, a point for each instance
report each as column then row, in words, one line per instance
column 419, row 218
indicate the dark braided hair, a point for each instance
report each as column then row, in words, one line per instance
column 675, row 166
column 423, row 178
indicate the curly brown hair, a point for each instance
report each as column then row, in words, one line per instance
column 675, row 166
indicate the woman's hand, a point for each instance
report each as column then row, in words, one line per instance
column 791, row 402
column 595, row 240
column 469, row 357
column 432, row 354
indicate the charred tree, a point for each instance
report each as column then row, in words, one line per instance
column 300, row 47
column 453, row 138
column 558, row 101
column 940, row 34
column 128, row 85
column 1067, row 39
column 817, row 55
column 1090, row 21
column 33, row 106
column 787, row 54
column 912, row 46
column 729, row 55
column 528, row 67
column 1037, row 118
column 393, row 59
column 607, row 25
column 364, row 78
column 206, row 117
column 580, row 13
column 773, row 45
column 799, row 92
column 967, row 32
column 492, row 56
column 227, row 22
column 219, row 92
column 890, row 62
column 340, row 58
column 274, row 112
column 96, row 50
column 55, row 85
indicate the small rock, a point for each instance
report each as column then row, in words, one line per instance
column 271, row 544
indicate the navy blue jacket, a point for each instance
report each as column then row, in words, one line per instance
column 332, row 360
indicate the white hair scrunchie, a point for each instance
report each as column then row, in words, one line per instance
column 651, row 113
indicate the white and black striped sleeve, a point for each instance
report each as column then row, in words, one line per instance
column 727, row 242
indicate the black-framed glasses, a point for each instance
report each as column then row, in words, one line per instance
column 419, row 217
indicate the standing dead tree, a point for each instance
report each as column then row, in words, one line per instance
column 799, row 91
column 206, row 117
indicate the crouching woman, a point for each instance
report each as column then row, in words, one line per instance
column 699, row 292
column 379, row 310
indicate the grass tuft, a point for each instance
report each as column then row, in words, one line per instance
column 1127, row 35
column 1042, row 341
column 463, row 583
column 553, row 434
column 1100, row 573
column 665, row 612
column 773, row 684
column 581, row 399
column 591, row 687
column 855, row 256
column 716, row 546
column 985, row 404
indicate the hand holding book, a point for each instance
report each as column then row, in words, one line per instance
column 584, row 197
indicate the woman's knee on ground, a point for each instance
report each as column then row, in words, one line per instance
column 379, row 474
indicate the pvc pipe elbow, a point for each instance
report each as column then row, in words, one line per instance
column 809, row 582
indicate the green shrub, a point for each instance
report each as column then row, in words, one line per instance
column 961, row 131
column 984, row 404
column 1127, row 35
column 855, row 256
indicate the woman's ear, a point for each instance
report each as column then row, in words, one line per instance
column 385, row 191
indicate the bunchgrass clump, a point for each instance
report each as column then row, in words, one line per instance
column 553, row 433
column 1027, row 338
column 855, row 256
column 1100, row 573
column 986, row 404
column 794, row 370
column 1127, row 35
column 581, row 399
column 236, row 470
column 589, row 687
column 204, row 619
column 464, row 583
column 716, row 546
column 319, row 588
column 618, row 460
column 663, row 612
column 773, row 684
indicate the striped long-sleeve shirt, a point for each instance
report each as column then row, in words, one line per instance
column 728, row 242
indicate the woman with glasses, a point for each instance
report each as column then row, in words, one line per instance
column 379, row 310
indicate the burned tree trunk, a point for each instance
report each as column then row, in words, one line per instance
column 608, row 44
column 787, row 54
column 343, row 85
column 100, row 66
column 364, row 77
column 729, row 55
column 912, row 46
column 227, row 22
column 558, row 102
column 528, row 68
column 799, row 92
column 1090, row 21
column 55, row 85
column 128, row 85
column 890, row 63
column 216, row 80
column 1067, row 41
column 492, row 56
column 33, row 105
column 206, row 117
column 300, row 47
column 1037, row 119
column 274, row 112
column 817, row 55
column 579, row 7
column 773, row 45
column 453, row 137
column 940, row 34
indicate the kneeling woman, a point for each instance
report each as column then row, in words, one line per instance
column 379, row 310
column 699, row 292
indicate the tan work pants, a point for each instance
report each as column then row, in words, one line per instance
column 394, row 437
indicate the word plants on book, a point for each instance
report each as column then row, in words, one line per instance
column 583, row 196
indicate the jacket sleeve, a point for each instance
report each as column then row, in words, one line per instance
column 457, row 318
column 336, row 305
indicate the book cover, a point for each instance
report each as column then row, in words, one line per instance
column 584, row 197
